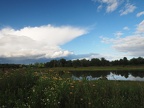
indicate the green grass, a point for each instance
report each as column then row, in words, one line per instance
column 99, row 68
column 46, row 88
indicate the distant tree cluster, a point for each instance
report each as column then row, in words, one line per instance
column 10, row 65
column 94, row 62
column 125, row 61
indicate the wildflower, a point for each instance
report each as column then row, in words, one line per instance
column 33, row 90
column 80, row 81
column 60, row 79
column 36, row 73
column 55, row 78
column 81, row 99
column 45, row 77
column 68, row 78
column 93, row 85
column 72, row 86
column 52, row 88
column 48, row 100
column 3, row 106
column 73, row 81
column 50, row 70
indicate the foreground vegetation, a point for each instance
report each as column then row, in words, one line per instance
column 46, row 88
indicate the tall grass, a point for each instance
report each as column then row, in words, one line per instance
column 50, row 89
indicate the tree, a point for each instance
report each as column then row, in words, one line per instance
column 104, row 62
column 140, row 60
column 125, row 61
column 115, row 62
column 95, row 62
column 68, row 63
column 52, row 63
column 62, row 62
column 84, row 62
column 39, row 65
column 133, row 61
column 76, row 63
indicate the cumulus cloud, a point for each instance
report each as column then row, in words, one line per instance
column 129, row 8
column 111, row 4
column 133, row 45
column 118, row 34
column 140, row 28
column 140, row 14
column 99, row 8
column 126, row 28
column 37, row 42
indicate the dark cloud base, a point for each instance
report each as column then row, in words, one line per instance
column 21, row 60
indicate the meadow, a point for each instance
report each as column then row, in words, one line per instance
column 54, row 88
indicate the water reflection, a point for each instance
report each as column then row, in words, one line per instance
column 128, row 77
column 115, row 75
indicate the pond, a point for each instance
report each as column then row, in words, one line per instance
column 109, row 75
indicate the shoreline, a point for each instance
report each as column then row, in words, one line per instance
column 101, row 68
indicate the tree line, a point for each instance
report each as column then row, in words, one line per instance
column 94, row 62
column 80, row 63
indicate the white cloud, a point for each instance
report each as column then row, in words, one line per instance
column 99, row 7
column 132, row 45
column 42, row 41
column 140, row 28
column 111, row 4
column 129, row 8
column 106, row 40
column 118, row 34
column 140, row 14
column 126, row 28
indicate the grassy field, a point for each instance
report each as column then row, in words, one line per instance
column 47, row 88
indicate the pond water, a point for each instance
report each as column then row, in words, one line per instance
column 109, row 75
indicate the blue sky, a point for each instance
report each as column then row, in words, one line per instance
column 33, row 30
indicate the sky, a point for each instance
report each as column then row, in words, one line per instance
column 41, row 30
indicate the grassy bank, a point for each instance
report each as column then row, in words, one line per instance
column 100, row 68
column 49, row 89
